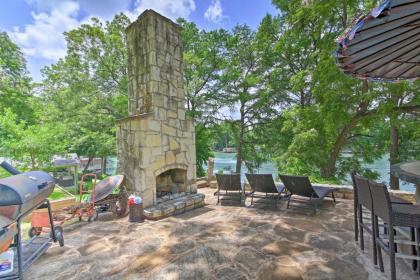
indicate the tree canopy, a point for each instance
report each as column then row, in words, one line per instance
column 274, row 93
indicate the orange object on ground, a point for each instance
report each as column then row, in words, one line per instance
column 6, row 237
column 40, row 219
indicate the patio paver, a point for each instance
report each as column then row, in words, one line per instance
column 217, row 242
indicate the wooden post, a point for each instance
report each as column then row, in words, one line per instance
column 210, row 169
column 103, row 165
column 75, row 176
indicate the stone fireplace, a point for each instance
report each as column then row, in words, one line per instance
column 156, row 145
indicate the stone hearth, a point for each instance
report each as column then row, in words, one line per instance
column 156, row 145
column 177, row 204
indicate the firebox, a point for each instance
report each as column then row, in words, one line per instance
column 171, row 182
column 155, row 143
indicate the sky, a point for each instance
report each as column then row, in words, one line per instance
column 37, row 26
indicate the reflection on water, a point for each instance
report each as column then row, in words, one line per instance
column 227, row 163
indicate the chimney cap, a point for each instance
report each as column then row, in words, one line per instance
column 152, row 13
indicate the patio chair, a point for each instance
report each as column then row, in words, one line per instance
column 355, row 206
column 264, row 184
column 229, row 186
column 364, row 201
column 394, row 200
column 394, row 215
column 301, row 186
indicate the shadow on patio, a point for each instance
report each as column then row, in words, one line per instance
column 217, row 242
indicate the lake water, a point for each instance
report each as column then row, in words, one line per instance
column 227, row 162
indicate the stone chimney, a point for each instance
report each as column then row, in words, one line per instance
column 156, row 141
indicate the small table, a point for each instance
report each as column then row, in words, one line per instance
column 409, row 172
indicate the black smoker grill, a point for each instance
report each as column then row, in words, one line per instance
column 19, row 196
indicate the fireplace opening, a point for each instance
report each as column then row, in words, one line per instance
column 171, row 182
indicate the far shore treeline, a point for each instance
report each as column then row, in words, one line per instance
column 274, row 94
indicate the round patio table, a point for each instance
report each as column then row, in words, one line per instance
column 409, row 172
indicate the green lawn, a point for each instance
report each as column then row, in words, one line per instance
column 58, row 194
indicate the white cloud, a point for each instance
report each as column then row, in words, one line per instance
column 104, row 9
column 42, row 5
column 172, row 9
column 44, row 37
column 42, row 40
column 214, row 12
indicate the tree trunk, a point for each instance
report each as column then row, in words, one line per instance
column 241, row 140
column 394, row 147
column 393, row 156
column 87, row 165
column 33, row 162
column 103, row 166
column 329, row 169
column 302, row 99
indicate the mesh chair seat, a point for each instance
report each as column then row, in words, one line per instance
column 322, row 191
column 397, row 200
column 406, row 215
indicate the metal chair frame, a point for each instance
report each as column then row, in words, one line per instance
column 264, row 183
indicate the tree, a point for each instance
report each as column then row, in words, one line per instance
column 33, row 145
column 243, row 87
column 401, row 120
column 203, row 62
column 204, row 147
column 22, row 136
column 87, row 90
column 325, row 113
column 15, row 88
column 204, row 59
column 224, row 134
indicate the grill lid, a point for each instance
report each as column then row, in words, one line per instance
column 18, row 189
column 20, row 193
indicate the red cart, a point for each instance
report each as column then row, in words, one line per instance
column 101, row 198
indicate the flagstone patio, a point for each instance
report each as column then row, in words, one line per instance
column 217, row 242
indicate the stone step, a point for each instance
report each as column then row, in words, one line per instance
column 174, row 206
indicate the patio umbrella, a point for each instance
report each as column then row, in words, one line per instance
column 385, row 44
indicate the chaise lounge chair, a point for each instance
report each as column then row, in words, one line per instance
column 301, row 186
column 229, row 186
column 264, row 183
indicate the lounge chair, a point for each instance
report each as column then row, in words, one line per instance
column 301, row 186
column 264, row 183
column 229, row 186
